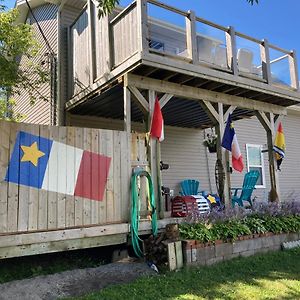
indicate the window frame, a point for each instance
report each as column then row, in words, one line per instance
column 262, row 166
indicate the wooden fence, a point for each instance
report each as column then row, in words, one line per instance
column 62, row 177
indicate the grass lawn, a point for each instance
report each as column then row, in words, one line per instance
column 269, row 276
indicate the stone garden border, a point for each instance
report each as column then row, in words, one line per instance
column 197, row 253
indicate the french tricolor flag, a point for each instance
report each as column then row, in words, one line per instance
column 157, row 123
column 57, row 167
column 230, row 143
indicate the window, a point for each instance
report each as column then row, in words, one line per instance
column 255, row 161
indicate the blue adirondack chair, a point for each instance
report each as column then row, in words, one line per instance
column 246, row 191
column 189, row 187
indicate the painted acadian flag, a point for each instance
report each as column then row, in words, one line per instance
column 279, row 146
column 49, row 165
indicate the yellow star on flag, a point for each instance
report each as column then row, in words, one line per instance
column 32, row 154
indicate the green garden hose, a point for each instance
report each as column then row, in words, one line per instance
column 135, row 209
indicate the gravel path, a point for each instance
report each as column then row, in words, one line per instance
column 73, row 283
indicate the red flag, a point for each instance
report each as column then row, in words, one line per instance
column 157, row 123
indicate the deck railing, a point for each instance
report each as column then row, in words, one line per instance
column 151, row 27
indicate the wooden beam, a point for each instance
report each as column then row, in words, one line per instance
column 229, row 111
column 263, row 119
column 142, row 25
column 265, row 60
column 191, row 36
column 294, row 70
column 189, row 92
column 231, row 50
column 91, row 41
column 142, row 102
column 165, row 99
column 127, row 110
column 210, row 110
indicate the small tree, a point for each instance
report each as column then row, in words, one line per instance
column 17, row 40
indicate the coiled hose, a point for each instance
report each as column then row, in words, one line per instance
column 135, row 209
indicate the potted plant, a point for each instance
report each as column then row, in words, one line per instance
column 211, row 142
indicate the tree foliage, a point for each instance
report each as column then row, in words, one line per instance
column 16, row 41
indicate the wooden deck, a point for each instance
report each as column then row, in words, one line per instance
column 134, row 41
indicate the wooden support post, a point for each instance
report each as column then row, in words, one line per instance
column 229, row 111
column 231, row 50
column 127, row 110
column 141, row 101
column 268, row 124
column 191, row 39
column 265, row 60
column 155, row 153
column 91, row 41
column 223, row 155
column 165, row 99
column 294, row 70
column 142, row 25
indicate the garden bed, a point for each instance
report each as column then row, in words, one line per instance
column 198, row 253
column 230, row 233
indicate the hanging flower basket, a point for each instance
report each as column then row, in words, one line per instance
column 211, row 142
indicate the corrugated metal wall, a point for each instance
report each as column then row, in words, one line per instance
column 40, row 111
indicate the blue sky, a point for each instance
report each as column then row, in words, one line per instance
column 276, row 20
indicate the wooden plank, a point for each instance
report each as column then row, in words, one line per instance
column 103, row 151
column 202, row 94
column 265, row 60
column 117, row 177
column 96, row 178
column 125, row 175
column 4, row 160
column 127, row 110
column 231, row 50
column 23, row 199
column 179, row 256
column 214, row 115
column 142, row 102
column 229, row 111
column 205, row 72
column 51, row 247
column 70, row 200
column 265, row 122
column 62, row 182
column 172, row 256
column 43, row 194
column 165, row 99
column 110, row 179
column 78, row 200
column 142, row 25
column 13, row 189
column 191, row 39
column 294, row 70
column 91, row 40
column 52, row 177
column 33, row 203
column 87, row 203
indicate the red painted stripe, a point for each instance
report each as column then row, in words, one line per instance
column 92, row 176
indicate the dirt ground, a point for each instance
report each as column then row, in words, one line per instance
column 74, row 283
